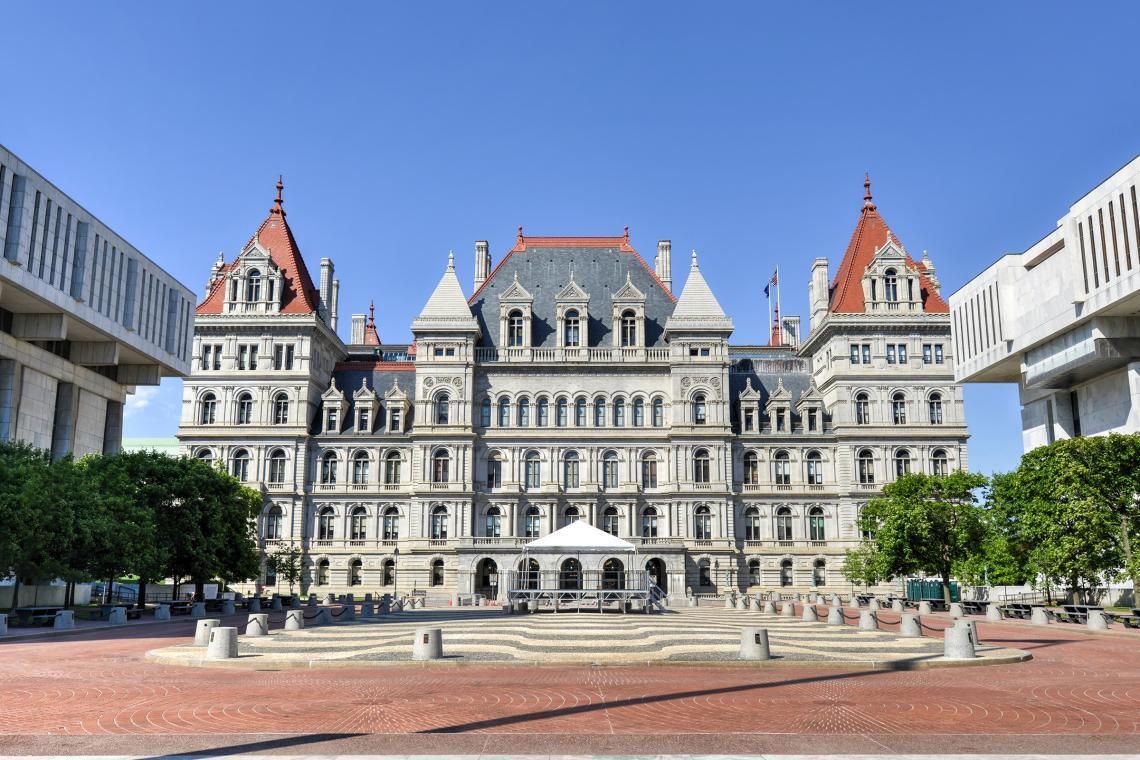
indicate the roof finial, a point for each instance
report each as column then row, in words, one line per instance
column 867, row 191
column 372, row 312
column 278, row 207
column 520, row 237
column 451, row 261
column 625, row 234
column 695, row 258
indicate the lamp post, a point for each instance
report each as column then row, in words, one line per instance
column 396, row 572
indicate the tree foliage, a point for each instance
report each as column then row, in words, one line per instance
column 286, row 563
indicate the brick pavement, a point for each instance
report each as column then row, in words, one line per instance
column 95, row 694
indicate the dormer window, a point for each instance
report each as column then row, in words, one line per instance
column 628, row 328
column 811, row 419
column 573, row 329
column 394, row 420
column 749, row 422
column 332, row 421
column 364, row 421
column 515, row 329
column 253, row 285
column 890, row 285
column 781, row 421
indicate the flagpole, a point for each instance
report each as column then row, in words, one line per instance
column 768, row 293
column 779, row 327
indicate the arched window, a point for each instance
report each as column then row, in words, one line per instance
column 702, row 523
column 935, row 405
column 752, row 524
column 524, row 412
column 276, row 472
column 358, row 524
column 528, row 574
column 658, row 412
column 533, row 523
column 890, row 285
column 638, row 412
column 208, row 410
column 700, row 411
column 253, row 285
column 862, row 409
column 360, row 468
column 504, row 412
column 328, row 468
column 442, row 409
column 532, row 470
column 866, row 466
column 485, row 412
column 281, row 409
column 206, row 455
column 441, row 466
column 610, row 469
column 561, row 413
column 751, row 469
column 391, row 524
column 599, row 412
column 784, row 524
column 437, row 572
column 573, row 329
column 613, row 574
column 786, row 572
column 494, row 470
column 323, row 573
column 649, row 523
column 270, row 576
column 245, row 409
column 273, row 523
column 701, row 466
column 543, row 412
column 570, row 470
column 515, row 329
column 580, row 412
column 570, row 515
column 939, row 463
column 239, row 466
column 494, row 523
column 898, row 408
column 814, row 468
column 439, row 523
column 619, row 412
column 570, row 574
column 754, row 572
column 611, row 520
column 628, row 328
column 649, row 470
column 819, row 573
column 817, row 526
column 902, row 462
column 326, row 524
column 389, row 575
column 392, row 468
column 704, row 573
column 781, row 469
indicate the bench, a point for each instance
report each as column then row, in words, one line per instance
column 1074, row 613
column 36, row 615
column 975, row 607
column 1019, row 610
column 180, row 608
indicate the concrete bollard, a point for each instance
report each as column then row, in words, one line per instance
column 350, row 598
column 312, row 601
column 835, row 600
column 324, row 617
column 924, row 608
column 798, row 597
column 117, row 616
column 385, row 605
column 810, row 615
column 1096, row 621
column 956, row 644
column 330, row 598
column 349, row 612
column 956, row 610
column 873, row 604
column 770, row 607
column 3, row 625
column 742, row 602
column 428, row 644
column 972, row 627
column 728, row 602
column 64, row 620
column 294, row 620
column 753, row 604
column 868, row 620
column 993, row 613
column 254, row 605
column 692, row 601
column 754, row 644
column 228, row 608
column 197, row 610
column 789, row 609
column 896, row 606
column 258, row 624
column 202, row 631
column 367, row 610
column 910, row 627
column 1039, row 616
column 853, row 604
column 162, row 612
column 368, row 597
column 223, row 644
column 294, row 602
column 835, row 615
column 275, row 603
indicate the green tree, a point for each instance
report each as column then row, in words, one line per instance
column 861, row 565
column 286, row 563
column 927, row 523
column 20, row 465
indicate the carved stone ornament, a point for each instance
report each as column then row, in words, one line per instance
column 428, row 382
column 685, row 382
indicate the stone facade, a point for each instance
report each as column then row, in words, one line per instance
column 84, row 318
column 1072, row 345
column 573, row 384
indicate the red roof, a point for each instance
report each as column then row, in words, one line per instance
column 371, row 337
column 620, row 242
column 870, row 235
column 299, row 295
column 376, row 366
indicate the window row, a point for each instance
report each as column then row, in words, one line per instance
column 901, row 462
column 898, row 408
column 388, row 573
column 896, row 353
column 246, row 358
column 599, row 413
column 782, row 468
column 243, row 409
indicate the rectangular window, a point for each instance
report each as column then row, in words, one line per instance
column 394, row 417
column 937, row 353
column 79, row 265
column 780, row 426
column 243, row 356
column 854, row 353
column 207, row 349
column 811, row 420
column 902, row 353
column 278, row 356
column 927, row 353
column 15, row 218
column 253, row 357
column 35, row 232
column 363, row 421
column 331, row 425
column 289, row 357
column 217, row 356
column 749, row 420
column 866, row 353
column 890, row 353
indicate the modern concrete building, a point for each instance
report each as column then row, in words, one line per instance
column 84, row 318
column 1062, row 319
column 572, row 385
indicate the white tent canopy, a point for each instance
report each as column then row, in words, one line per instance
column 580, row 536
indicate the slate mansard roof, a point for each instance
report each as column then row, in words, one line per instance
column 599, row 266
column 379, row 377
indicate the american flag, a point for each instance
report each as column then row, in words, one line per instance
column 774, row 281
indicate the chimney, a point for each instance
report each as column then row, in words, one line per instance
column 790, row 331
column 326, row 287
column 818, row 294
column 928, row 270
column 662, row 264
column 332, row 306
column 357, row 337
column 482, row 262
column 215, row 272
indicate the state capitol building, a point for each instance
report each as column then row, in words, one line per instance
column 572, row 383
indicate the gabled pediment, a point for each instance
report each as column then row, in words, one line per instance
column 780, row 395
column 628, row 293
column 892, row 253
column 395, row 393
column 364, row 393
column 333, row 393
column 516, row 293
column 749, row 393
column 810, row 397
column 573, row 293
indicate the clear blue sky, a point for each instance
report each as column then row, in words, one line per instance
column 741, row 130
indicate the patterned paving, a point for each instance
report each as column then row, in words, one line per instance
column 96, row 694
column 688, row 635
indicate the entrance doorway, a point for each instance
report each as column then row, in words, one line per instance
column 613, row 574
column 528, row 574
column 656, row 569
column 570, row 576
column 487, row 578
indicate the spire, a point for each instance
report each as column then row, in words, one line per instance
column 867, row 204
column 451, row 261
column 447, row 307
column 625, row 235
column 372, row 312
column 371, row 337
column 519, row 239
column 693, row 265
column 697, row 308
column 278, row 203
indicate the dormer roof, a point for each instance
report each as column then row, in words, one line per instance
column 697, row 308
column 447, row 307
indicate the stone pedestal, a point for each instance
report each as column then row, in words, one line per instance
column 754, row 644
column 770, row 607
column 753, row 604
column 223, row 644
column 810, row 615
column 198, row 611
column 3, row 625
column 993, row 613
column 910, row 626
column 924, row 608
column 741, row 602
column 294, row 620
column 896, row 606
column 258, row 624
column 428, row 644
column 692, row 601
column 873, row 605
column 972, row 627
column 162, row 612
column 868, row 621
column 835, row 615
column 957, row 645
column 330, row 598
column 1096, row 621
column 789, row 609
column 64, row 620
column 956, row 610
column 202, row 631
column 254, row 605
column 275, row 603
column 728, row 602
column 117, row 616
column 312, row 601
column 1039, row 616
column 367, row 610
column 853, row 604
column 294, row 602
column 229, row 609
